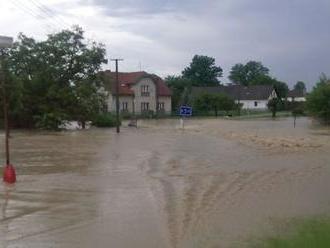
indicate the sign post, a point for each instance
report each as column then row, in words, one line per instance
column 185, row 111
column 9, row 174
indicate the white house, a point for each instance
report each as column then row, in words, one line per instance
column 139, row 92
column 254, row 97
column 296, row 96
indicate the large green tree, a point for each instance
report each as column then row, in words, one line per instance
column 58, row 76
column 180, row 87
column 300, row 86
column 252, row 72
column 318, row 101
column 203, row 71
column 255, row 73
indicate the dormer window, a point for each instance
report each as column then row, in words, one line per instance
column 145, row 90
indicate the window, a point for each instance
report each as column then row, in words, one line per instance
column 145, row 90
column 124, row 106
column 161, row 106
column 255, row 104
column 144, row 106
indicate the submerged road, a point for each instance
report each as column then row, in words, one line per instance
column 214, row 184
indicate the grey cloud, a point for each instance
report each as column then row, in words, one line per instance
column 133, row 8
column 289, row 36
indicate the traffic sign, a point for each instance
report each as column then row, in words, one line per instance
column 185, row 111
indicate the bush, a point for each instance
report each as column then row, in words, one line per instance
column 49, row 121
column 105, row 120
column 274, row 105
column 318, row 102
column 218, row 103
column 148, row 114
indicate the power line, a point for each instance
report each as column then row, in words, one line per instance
column 52, row 20
column 18, row 6
column 33, row 13
column 49, row 12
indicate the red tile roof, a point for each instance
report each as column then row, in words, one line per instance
column 127, row 79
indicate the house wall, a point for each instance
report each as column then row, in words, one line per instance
column 151, row 99
column 129, row 100
column 167, row 103
column 296, row 99
column 250, row 104
column 139, row 98
column 261, row 104
column 112, row 103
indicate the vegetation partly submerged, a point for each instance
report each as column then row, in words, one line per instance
column 307, row 233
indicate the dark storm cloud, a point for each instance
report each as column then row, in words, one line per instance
column 289, row 36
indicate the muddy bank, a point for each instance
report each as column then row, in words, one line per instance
column 214, row 184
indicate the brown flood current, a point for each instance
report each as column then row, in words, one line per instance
column 216, row 183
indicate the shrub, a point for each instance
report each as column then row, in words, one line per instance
column 105, row 120
column 274, row 106
column 318, row 102
column 49, row 121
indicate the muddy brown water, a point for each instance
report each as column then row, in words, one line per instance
column 217, row 183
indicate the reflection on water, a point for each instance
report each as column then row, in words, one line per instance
column 209, row 185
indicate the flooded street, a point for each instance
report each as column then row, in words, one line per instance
column 214, row 184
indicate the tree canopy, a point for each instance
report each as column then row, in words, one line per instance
column 180, row 87
column 255, row 73
column 203, row 71
column 57, row 78
column 251, row 73
column 318, row 101
column 300, row 86
column 213, row 102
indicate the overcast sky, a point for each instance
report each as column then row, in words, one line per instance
column 290, row 37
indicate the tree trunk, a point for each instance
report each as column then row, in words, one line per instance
column 83, row 124
column 274, row 113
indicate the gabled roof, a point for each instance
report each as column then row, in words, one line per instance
column 127, row 79
column 238, row 92
column 296, row 93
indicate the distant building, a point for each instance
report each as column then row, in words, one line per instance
column 296, row 95
column 251, row 97
column 139, row 92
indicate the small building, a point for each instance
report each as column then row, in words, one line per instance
column 254, row 97
column 296, row 95
column 139, row 92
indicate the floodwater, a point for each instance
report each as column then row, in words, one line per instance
column 217, row 183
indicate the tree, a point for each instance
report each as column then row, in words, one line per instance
column 58, row 77
column 179, row 87
column 202, row 71
column 318, row 101
column 249, row 74
column 213, row 102
column 300, row 86
column 273, row 105
column 281, row 88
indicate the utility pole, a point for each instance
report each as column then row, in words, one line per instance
column 5, row 116
column 117, row 95
column 9, row 174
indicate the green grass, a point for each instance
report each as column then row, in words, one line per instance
column 311, row 233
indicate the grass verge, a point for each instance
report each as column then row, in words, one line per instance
column 309, row 233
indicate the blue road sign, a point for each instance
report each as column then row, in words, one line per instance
column 185, row 111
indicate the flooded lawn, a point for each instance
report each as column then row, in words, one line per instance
column 214, row 184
